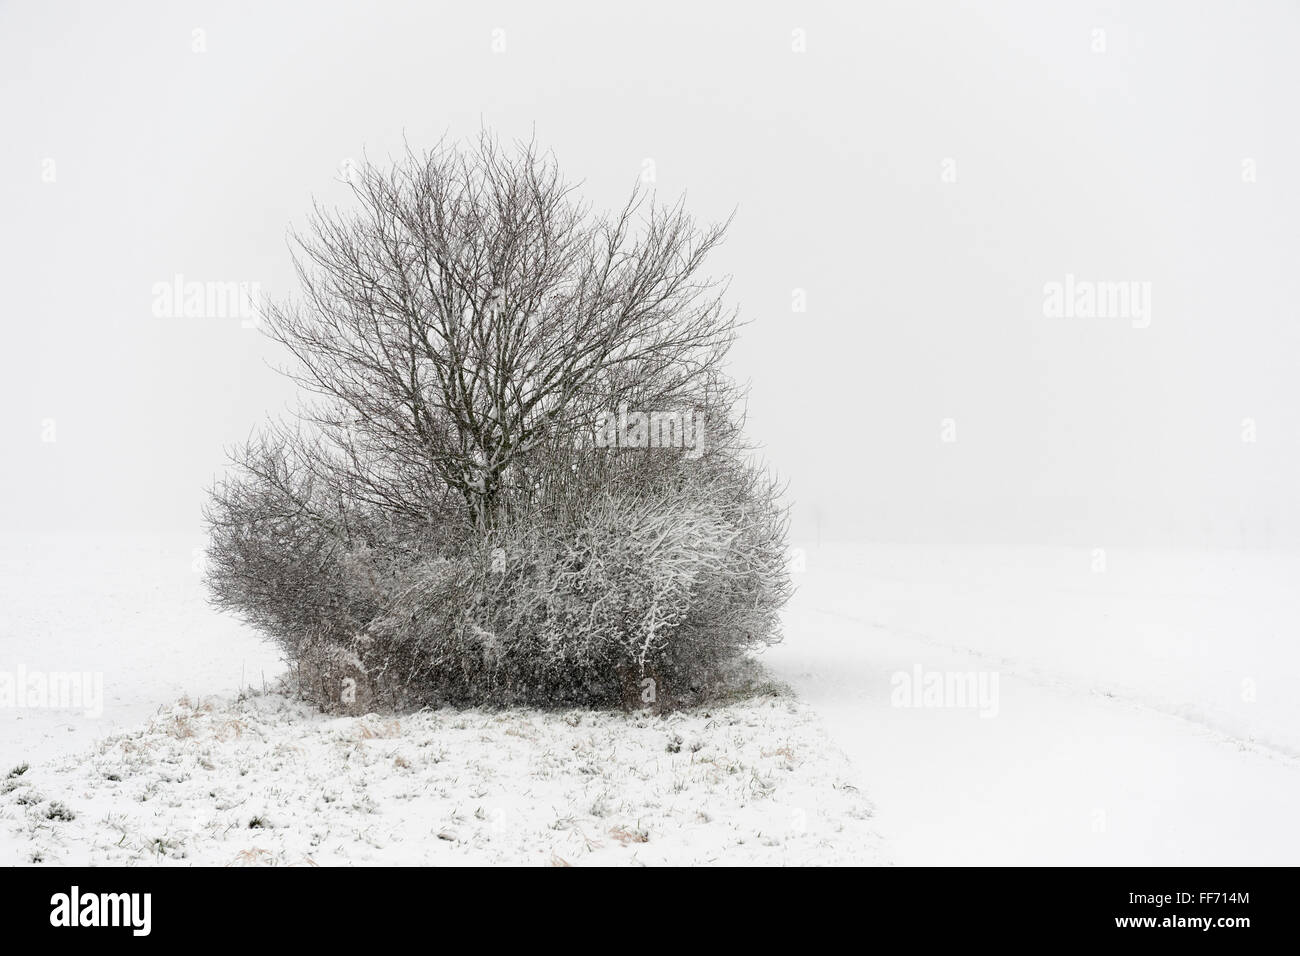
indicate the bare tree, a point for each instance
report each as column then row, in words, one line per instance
column 446, row 519
column 472, row 319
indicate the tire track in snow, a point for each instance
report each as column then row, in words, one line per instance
column 1055, row 680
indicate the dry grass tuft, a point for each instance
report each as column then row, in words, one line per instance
column 625, row 836
column 250, row 857
column 383, row 730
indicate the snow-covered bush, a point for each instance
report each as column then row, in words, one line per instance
column 452, row 519
column 641, row 602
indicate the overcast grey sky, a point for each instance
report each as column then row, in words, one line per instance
column 919, row 172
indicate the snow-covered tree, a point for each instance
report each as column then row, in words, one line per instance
column 469, row 334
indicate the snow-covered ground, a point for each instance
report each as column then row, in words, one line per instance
column 263, row 780
column 257, row 778
column 1146, row 708
column 1144, row 712
column 129, row 608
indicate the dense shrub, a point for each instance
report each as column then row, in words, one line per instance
column 661, row 590
column 643, row 600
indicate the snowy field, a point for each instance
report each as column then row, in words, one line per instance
column 130, row 608
column 1135, row 708
column 220, row 778
column 1146, row 710
column 262, row 780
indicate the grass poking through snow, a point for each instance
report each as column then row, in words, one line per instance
column 265, row 780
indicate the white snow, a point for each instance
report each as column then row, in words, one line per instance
column 128, row 607
column 1146, row 712
column 265, row 780
column 223, row 778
